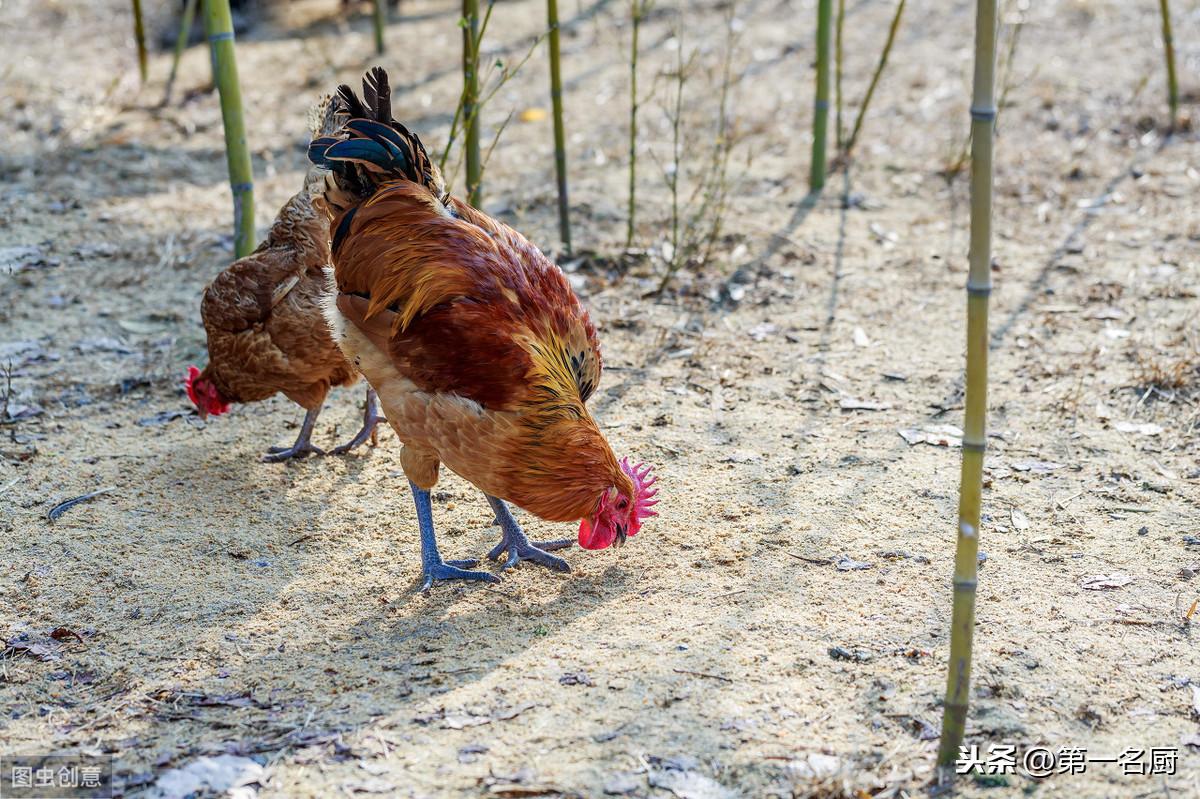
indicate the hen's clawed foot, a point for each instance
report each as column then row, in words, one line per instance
column 297, row 450
column 371, row 420
column 303, row 446
column 455, row 570
column 519, row 547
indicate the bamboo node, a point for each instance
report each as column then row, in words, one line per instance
column 238, row 188
column 972, row 446
column 964, row 585
column 983, row 114
column 221, row 36
column 821, row 105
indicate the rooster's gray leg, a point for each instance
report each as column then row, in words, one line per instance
column 303, row 445
column 371, row 418
column 432, row 565
column 518, row 546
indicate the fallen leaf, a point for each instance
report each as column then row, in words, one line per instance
column 575, row 678
column 510, row 789
column 139, row 326
column 1019, row 520
column 815, row 767
column 845, row 563
column 1141, row 428
column 761, row 332
column 941, row 435
column 504, row 714
column 1036, row 467
column 621, row 784
column 460, row 721
column 534, row 114
column 849, row 404
column 87, row 346
column 207, row 775
column 374, row 785
column 161, row 418
column 1103, row 582
column 860, row 338
column 689, row 785
column 63, row 633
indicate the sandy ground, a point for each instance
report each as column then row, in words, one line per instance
column 222, row 605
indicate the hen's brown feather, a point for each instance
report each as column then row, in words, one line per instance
column 266, row 332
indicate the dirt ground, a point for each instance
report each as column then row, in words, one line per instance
column 781, row 628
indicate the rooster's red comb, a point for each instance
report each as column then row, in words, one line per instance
column 644, row 492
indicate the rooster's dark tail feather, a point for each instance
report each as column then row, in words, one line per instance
column 372, row 148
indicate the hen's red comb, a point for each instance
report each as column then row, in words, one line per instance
column 190, row 384
column 643, row 492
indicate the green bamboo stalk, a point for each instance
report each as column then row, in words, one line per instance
column 838, row 26
column 380, row 20
column 219, row 25
column 139, row 35
column 185, row 32
column 470, row 26
column 816, row 177
column 883, row 57
column 560, row 138
column 1169, row 53
column 979, row 286
column 637, row 10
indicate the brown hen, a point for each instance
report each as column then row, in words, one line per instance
column 267, row 334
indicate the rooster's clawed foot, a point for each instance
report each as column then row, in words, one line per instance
column 519, row 547
column 455, row 570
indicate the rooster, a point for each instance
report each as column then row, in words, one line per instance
column 266, row 331
column 482, row 355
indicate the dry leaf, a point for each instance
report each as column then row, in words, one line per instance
column 849, row 404
column 689, row 785
column 1036, row 467
column 940, row 435
column 860, row 338
column 1141, row 428
column 1103, row 582
column 1019, row 520
column 532, row 115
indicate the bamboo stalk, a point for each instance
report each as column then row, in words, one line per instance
column 219, row 25
column 139, row 35
column 883, row 57
column 560, row 145
column 979, row 286
column 637, row 11
column 185, row 33
column 1169, row 53
column 838, row 26
column 816, row 176
column 470, row 26
column 380, row 20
